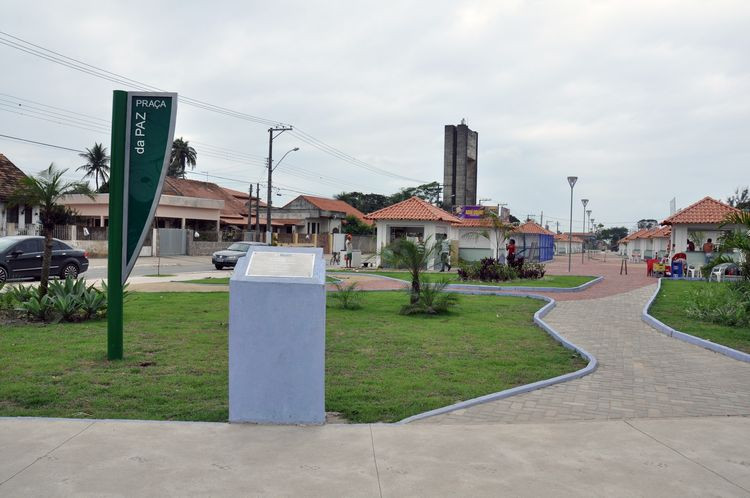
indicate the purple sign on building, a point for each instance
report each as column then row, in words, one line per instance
column 472, row 212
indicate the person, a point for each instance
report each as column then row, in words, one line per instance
column 348, row 248
column 691, row 245
column 708, row 250
column 511, row 250
column 445, row 255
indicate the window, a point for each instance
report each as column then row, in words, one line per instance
column 59, row 246
column 28, row 210
column 29, row 246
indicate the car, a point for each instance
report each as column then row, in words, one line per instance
column 228, row 257
column 21, row 258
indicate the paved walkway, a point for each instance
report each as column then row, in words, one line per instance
column 680, row 458
column 641, row 373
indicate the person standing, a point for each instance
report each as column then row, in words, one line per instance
column 511, row 250
column 445, row 255
column 708, row 250
column 690, row 245
column 348, row 248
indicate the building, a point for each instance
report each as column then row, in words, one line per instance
column 19, row 219
column 460, row 166
column 562, row 242
column 534, row 242
column 699, row 222
column 307, row 214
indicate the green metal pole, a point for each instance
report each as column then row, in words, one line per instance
column 114, row 258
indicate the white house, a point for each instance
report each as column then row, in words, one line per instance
column 417, row 219
column 699, row 222
column 20, row 219
column 562, row 241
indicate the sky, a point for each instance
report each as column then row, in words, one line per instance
column 644, row 101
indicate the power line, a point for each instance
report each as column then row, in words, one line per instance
column 44, row 53
column 40, row 143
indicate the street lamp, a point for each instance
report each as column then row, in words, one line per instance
column 273, row 132
column 583, row 243
column 572, row 181
column 589, row 225
column 269, row 230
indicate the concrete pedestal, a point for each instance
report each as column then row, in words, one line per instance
column 277, row 341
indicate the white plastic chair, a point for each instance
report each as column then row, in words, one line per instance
column 691, row 271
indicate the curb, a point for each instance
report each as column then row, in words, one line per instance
column 538, row 319
column 697, row 341
column 579, row 288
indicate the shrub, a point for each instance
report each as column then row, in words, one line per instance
column 721, row 303
column 486, row 270
column 66, row 300
column 348, row 295
column 532, row 270
column 433, row 300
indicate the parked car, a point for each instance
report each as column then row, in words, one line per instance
column 228, row 257
column 21, row 257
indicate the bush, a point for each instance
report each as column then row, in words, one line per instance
column 486, row 270
column 348, row 296
column 433, row 299
column 532, row 270
column 726, row 304
column 67, row 300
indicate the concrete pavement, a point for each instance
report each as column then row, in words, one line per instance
column 665, row 457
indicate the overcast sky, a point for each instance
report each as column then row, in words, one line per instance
column 644, row 101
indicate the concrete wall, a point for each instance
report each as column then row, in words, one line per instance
column 204, row 248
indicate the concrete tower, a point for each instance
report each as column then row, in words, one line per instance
column 460, row 166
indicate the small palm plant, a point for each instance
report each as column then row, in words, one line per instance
column 413, row 256
column 736, row 239
column 46, row 190
column 181, row 156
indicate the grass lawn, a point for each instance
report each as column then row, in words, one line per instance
column 225, row 281
column 160, row 275
column 669, row 307
column 546, row 281
column 380, row 366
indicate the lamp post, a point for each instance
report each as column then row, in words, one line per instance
column 583, row 243
column 269, row 234
column 278, row 130
column 589, row 225
column 572, row 181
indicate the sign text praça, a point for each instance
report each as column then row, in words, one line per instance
column 141, row 107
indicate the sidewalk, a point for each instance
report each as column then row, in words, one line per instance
column 684, row 457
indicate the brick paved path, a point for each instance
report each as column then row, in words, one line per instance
column 641, row 373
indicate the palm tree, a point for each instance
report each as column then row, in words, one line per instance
column 403, row 253
column 97, row 164
column 45, row 190
column 181, row 156
column 737, row 239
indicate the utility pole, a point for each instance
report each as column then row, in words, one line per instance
column 257, row 212
column 250, row 213
column 271, row 136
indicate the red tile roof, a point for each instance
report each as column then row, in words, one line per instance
column 327, row 204
column 413, row 209
column 563, row 237
column 235, row 206
column 10, row 177
column 533, row 228
column 706, row 210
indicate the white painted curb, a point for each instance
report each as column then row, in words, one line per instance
column 697, row 341
column 589, row 368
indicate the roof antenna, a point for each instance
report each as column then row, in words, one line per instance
column 463, row 121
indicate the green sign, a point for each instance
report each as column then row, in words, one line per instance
column 142, row 134
column 150, row 131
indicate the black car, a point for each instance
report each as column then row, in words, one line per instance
column 21, row 257
column 229, row 256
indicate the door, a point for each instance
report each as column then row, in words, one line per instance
column 29, row 262
column 60, row 253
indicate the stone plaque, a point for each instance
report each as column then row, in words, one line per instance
column 281, row 264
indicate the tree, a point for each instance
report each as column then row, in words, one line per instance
column 366, row 203
column 182, row 155
column 736, row 239
column 355, row 226
column 740, row 199
column 413, row 256
column 647, row 223
column 45, row 190
column 611, row 236
column 430, row 192
column 97, row 164
column 499, row 227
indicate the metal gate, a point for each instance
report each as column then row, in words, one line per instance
column 172, row 242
